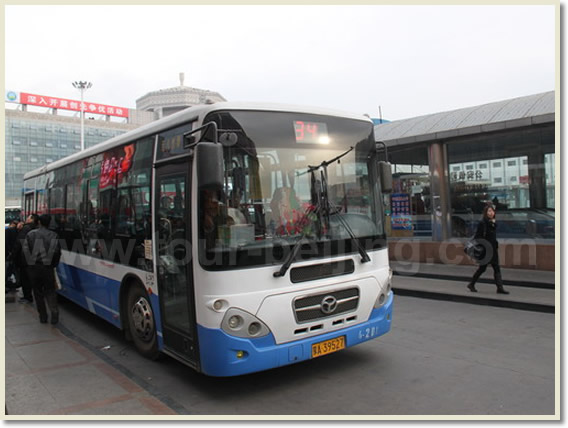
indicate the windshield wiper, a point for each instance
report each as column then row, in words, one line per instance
column 364, row 255
column 324, row 164
column 290, row 258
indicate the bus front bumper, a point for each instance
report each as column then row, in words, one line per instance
column 225, row 355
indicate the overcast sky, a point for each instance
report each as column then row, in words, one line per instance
column 410, row 60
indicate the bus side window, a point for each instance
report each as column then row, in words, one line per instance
column 124, row 218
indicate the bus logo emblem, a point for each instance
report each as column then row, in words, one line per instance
column 328, row 305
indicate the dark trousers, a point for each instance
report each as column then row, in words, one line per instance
column 43, row 285
column 494, row 262
column 26, row 283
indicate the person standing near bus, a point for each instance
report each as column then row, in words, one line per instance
column 30, row 224
column 11, row 236
column 487, row 233
column 42, row 250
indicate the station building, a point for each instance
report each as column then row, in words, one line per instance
column 41, row 129
column 447, row 166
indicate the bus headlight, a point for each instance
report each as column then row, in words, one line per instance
column 380, row 300
column 254, row 328
column 237, row 322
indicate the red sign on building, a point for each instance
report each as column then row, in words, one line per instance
column 64, row 104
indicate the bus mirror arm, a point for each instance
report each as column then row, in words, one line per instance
column 385, row 149
column 190, row 139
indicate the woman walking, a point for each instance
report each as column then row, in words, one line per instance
column 487, row 234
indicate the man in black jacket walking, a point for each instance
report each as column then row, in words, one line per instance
column 20, row 261
column 42, row 252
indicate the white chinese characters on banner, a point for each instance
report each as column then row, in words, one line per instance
column 52, row 102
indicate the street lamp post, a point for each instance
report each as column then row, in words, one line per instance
column 82, row 86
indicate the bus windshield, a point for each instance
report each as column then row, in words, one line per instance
column 290, row 177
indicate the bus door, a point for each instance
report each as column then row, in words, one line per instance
column 172, row 214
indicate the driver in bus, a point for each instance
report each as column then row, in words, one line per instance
column 236, row 211
column 212, row 216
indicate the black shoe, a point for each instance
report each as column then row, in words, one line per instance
column 502, row 291
column 25, row 300
column 472, row 288
column 54, row 318
column 43, row 320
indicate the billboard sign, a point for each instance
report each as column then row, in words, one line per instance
column 400, row 207
column 65, row 104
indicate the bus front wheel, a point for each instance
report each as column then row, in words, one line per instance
column 141, row 324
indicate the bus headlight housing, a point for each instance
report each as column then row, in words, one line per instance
column 382, row 298
column 237, row 322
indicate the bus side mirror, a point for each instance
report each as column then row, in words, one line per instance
column 385, row 176
column 209, row 161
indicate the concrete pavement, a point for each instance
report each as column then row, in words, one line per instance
column 529, row 289
column 49, row 373
column 516, row 277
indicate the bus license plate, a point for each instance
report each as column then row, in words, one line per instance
column 328, row 346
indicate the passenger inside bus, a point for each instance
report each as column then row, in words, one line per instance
column 285, row 211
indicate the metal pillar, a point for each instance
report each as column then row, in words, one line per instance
column 537, row 179
column 82, row 86
column 440, row 192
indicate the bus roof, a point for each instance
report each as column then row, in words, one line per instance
column 181, row 117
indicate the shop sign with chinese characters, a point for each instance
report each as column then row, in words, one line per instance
column 466, row 175
column 65, row 104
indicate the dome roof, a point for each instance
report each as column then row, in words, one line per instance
column 177, row 97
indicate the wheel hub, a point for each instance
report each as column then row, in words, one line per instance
column 143, row 319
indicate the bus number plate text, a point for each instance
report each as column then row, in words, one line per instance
column 328, row 346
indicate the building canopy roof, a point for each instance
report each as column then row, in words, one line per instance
column 512, row 113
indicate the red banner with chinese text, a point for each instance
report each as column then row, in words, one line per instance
column 64, row 104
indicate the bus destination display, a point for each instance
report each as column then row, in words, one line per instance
column 311, row 132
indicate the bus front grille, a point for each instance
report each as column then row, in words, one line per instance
column 325, row 305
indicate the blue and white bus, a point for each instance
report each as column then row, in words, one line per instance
column 233, row 237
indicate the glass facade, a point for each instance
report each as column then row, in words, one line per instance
column 514, row 170
column 32, row 141
column 409, row 207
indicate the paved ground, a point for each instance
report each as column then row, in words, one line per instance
column 47, row 373
column 51, row 371
column 529, row 290
column 517, row 277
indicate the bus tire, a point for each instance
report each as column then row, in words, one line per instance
column 141, row 323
